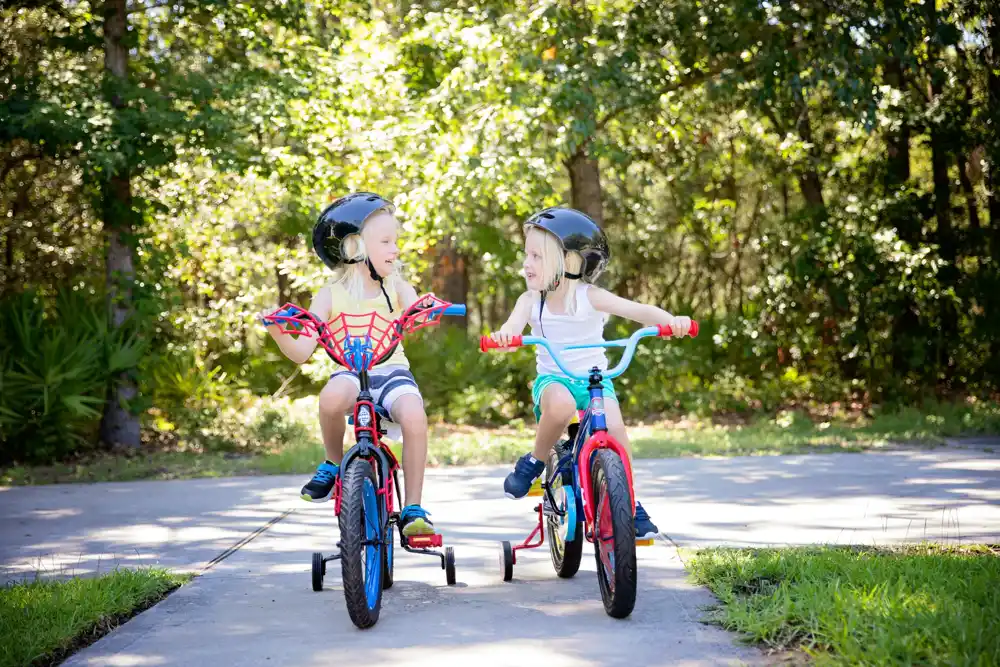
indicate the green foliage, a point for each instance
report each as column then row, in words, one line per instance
column 464, row 386
column 57, row 360
column 778, row 171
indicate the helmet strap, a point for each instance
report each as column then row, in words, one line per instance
column 381, row 283
column 541, row 308
column 573, row 276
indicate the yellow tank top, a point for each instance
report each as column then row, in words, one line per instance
column 342, row 302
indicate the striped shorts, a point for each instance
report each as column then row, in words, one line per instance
column 387, row 384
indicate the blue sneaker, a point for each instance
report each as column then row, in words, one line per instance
column 526, row 471
column 414, row 521
column 320, row 488
column 645, row 529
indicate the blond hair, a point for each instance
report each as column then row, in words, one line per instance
column 351, row 277
column 556, row 262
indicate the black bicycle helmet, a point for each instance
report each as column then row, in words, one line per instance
column 576, row 232
column 341, row 219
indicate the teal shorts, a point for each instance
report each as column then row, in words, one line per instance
column 577, row 389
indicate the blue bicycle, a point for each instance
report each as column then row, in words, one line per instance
column 587, row 487
column 368, row 486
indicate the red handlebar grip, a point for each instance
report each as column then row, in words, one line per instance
column 487, row 343
column 666, row 331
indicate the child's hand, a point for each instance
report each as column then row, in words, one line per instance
column 680, row 325
column 502, row 339
column 261, row 319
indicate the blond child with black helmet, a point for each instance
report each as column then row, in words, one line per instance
column 357, row 236
column 564, row 253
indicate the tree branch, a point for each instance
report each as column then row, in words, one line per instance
column 145, row 8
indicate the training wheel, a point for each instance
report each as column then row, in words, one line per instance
column 507, row 560
column 449, row 565
column 318, row 570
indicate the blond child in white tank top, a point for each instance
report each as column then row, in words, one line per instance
column 562, row 247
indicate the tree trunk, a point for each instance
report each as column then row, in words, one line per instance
column 970, row 201
column 450, row 279
column 993, row 105
column 993, row 184
column 809, row 180
column 898, row 172
column 8, row 252
column 283, row 291
column 939, row 146
column 948, row 274
column 119, row 427
column 585, row 184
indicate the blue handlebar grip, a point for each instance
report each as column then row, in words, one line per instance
column 284, row 312
column 455, row 309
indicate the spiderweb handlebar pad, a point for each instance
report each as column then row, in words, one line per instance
column 360, row 341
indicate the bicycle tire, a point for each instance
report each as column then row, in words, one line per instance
column 566, row 555
column 614, row 534
column 361, row 563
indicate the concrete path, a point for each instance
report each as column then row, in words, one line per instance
column 255, row 606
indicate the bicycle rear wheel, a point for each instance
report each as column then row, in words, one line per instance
column 361, row 543
column 614, row 534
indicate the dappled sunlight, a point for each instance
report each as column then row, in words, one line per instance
column 62, row 513
column 129, row 660
column 552, row 652
column 985, row 464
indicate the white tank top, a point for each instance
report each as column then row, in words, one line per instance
column 586, row 325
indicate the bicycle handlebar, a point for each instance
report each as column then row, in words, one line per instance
column 630, row 343
column 366, row 338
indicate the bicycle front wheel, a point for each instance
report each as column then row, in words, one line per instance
column 362, row 545
column 614, row 534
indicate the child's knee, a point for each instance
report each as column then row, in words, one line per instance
column 336, row 398
column 409, row 411
column 559, row 406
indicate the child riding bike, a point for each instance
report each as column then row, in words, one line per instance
column 565, row 252
column 357, row 236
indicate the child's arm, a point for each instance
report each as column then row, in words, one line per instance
column 406, row 292
column 299, row 349
column 606, row 302
column 407, row 295
column 516, row 322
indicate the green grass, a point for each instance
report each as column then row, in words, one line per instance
column 926, row 605
column 794, row 432
column 43, row 621
column 292, row 444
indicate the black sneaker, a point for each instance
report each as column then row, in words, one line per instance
column 320, row 488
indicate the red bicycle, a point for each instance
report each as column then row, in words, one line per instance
column 367, row 488
column 587, row 486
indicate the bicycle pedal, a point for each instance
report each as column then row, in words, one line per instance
column 424, row 541
column 647, row 542
column 536, row 488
